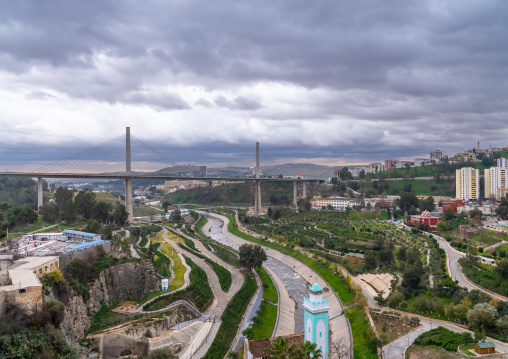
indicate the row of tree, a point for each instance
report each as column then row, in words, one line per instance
column 66, row 207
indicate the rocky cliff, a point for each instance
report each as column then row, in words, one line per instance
column 115, row 284
column 128, row 281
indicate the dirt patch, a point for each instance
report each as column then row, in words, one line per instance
column 391, row 328
column 128, row 306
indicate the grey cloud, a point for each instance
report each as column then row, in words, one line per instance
column 203, row 102
column 414, row 68
column 238, row 103
column 38, row 95
column 164, row 101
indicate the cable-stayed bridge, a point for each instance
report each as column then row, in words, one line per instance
column 127, row 157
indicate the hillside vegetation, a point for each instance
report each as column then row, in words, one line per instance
column 240, row 194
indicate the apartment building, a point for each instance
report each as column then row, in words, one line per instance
column 496, row 179
column 467, row 183
column 502, row 162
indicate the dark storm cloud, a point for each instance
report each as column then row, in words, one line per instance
column 406, row 76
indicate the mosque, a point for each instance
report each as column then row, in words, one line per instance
column 316, row 328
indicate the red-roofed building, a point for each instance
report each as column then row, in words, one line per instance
column 298, row 176
column 453, row 205
column 426, row 219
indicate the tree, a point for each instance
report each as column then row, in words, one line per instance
column 370, row 261
column 308, row 350
column 101, row 211
column 281, row 349
column 165, row 205
column 68, row 214
column 475, row 214
column 482, row 316
column 53, row 277
column 407, row 200
column 448, row 215
column 93, row 226
column 427, row 204
column 252, row 255
column 395, row 298
column 345, row 174
column 176, row 216
column 502, row 268
column 442, row 226
column 120, row 215
column 62, row 195
column 472, row 258
column 49, row 212
column 502, row 324
column 85, row 203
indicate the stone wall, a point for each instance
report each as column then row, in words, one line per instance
column 66, row 258
column 2, row 304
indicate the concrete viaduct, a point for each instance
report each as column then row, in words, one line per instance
column 129, row 176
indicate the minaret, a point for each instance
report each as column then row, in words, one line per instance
column 316, row 319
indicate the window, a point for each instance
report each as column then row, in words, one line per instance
column 309, row 329
column 22, row 290
column 320, row 335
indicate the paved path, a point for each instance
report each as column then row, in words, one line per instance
column 454, row 269
column 221, row 298
column 494, row 246
column 286, row 310
column 338, row 325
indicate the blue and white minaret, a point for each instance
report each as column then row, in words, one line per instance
column 316, row 319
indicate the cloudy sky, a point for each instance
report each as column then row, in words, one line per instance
column 330, row 82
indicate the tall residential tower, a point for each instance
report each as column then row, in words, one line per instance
column 467, row 183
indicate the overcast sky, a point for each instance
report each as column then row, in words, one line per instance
column 330, row 82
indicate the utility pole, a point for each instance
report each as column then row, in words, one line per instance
column 128, row 172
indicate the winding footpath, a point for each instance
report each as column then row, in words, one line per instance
column 339, row 325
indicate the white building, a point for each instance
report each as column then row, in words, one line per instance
column 467, row 183
column 502, row 162
column 496, row 179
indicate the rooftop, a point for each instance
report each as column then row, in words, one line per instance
column 30, row 263
column 486, row 345
column 84, row 245
column 79, row 233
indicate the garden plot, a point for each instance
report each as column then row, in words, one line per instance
column 376, row 283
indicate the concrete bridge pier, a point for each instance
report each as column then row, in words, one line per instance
column 304, row 184
column 128, row 180
column 128, row 199
column 40, row 194
column 295, row 193
column 257, row 200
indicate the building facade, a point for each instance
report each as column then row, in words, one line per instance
column 426, row 219
column 467, row 183
column 495, row 179
column 502, row 162
column 338, row 203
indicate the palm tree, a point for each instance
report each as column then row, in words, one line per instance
column 281, row 349
column 308, row 350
